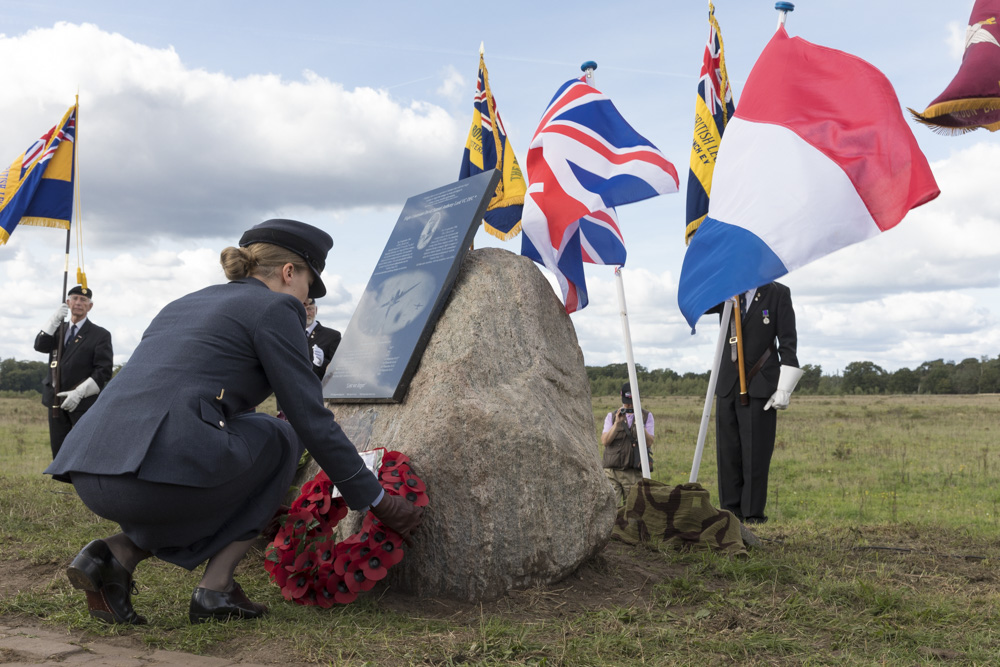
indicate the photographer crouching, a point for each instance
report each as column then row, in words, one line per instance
column 622, row 463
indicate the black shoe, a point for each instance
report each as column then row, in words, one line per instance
column 109, row 586
column 207, row 604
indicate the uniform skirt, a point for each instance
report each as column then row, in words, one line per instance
column 187, row 525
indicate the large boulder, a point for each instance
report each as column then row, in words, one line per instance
column 498, row 422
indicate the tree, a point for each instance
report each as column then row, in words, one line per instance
column 864, row 377
column 989, row 380
column 965, row 377
column 810, row 378
column 903, row 381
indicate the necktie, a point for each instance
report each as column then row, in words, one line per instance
column 743, row 303
column 72, row 332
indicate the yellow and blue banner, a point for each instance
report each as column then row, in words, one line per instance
column 37, row 189
column 488, row 148
column 713, row 109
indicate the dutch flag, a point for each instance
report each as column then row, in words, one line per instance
column 818, row 156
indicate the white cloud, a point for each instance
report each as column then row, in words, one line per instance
column 174, row 151
column 453, row 86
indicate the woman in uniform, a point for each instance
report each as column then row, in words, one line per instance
column 175, row 454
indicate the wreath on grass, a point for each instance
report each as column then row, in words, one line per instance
column 307, row 562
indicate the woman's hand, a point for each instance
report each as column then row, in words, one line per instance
column 399, row 514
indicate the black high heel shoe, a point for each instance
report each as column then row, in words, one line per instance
column 207, row 605
column 108, row 585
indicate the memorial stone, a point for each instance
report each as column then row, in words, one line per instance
column 498, row 423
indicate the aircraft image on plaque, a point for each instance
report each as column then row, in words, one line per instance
column 409, row 286
column 399, row 300
column 427, row 233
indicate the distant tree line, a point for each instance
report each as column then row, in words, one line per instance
column 22, row 376
column 969, row 376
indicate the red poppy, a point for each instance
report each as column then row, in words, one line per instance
column 414, row 483
column 390, row 551
column 341, row 593
column 325, row 598
column 373, row 567
column 300, row 521
column 297, row 585
column 304, row 562
column 321, row 504
column 301, row 503
column 338, row 510
column 340, row 563
column 325, row 554
column 355, row 578
column 393, row 459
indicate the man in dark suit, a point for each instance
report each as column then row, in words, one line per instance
column 83, row 369
column 323, row 341
column 744, row 432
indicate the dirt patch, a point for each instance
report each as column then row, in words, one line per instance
column 620, row 576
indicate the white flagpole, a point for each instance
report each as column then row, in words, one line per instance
column 783, row 9
column 588, row 69
column 632, row 379
column 713, row 379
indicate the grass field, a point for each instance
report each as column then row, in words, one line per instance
column 882, row 548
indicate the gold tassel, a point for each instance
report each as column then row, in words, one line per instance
column 493, row 231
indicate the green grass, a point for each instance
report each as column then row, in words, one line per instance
column 925, row 461
column 882, row 549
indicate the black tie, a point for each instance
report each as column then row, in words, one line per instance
column 72, row 332
column 743, row 303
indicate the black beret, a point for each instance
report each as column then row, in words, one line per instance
column 82, row 291
column 308, row 242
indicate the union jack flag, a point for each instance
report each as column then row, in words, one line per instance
column 584, row 160
column 37, row 189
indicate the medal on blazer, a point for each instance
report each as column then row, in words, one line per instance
column 767, row 320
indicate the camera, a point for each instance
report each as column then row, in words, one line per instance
column 625, row 411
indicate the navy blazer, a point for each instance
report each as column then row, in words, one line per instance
column 87, row 355
column 205, row 359
column 769, row 320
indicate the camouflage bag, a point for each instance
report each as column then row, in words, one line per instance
column 678, row 516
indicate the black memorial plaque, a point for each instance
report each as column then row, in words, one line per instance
column 389, row 330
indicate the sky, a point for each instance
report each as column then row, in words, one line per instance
column 199, row 120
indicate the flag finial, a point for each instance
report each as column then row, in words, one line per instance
column 783, row 9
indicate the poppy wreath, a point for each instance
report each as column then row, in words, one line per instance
column 307, row 562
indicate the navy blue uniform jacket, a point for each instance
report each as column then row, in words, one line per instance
column 769, row 319
column 87, row 355
column 205, row 359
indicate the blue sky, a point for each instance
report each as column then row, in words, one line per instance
column 201, row 119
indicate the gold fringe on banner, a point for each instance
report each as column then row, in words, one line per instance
column 966, row 108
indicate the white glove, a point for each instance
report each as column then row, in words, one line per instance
column 72, row 398
column 56, row 319
column 787, row 379
column 318, row 355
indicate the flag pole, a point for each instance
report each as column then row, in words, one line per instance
column 633, row 381
column 54, row 364
column 783, row 9
column 588, row 69
column 713, row 379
